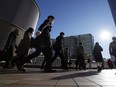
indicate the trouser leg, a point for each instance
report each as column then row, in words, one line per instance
column 24, row 60
column 63, row 61
column 43, row 63
column 55, row 56
column 48, row 55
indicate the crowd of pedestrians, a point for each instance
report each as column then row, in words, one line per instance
column 43, row 43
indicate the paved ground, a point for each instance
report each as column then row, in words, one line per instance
column 35, row 77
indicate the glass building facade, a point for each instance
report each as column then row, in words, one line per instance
column 112, row 4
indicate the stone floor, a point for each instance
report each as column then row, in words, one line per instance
column 34, row 77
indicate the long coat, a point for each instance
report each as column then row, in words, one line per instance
column 24, row 45
column 97, row 53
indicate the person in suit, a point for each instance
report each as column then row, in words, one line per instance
column 112, row 48
column 9, row 47
column 24, row 46
column 98, row 55
column 58, row 48
column 43, row 44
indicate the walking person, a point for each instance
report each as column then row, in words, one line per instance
column 80, row 57
column 9, row 47
column 24, row 46
column 98, row 56
column 110, row 64
column 112, row 48
column 58, row 48
column 42, row 43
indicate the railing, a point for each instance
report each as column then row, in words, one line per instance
column 37, row 62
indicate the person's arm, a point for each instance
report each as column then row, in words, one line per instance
column 110, row 49
column 42, row 27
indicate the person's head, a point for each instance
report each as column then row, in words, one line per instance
column 50, row 18
column 30, row 31
column 16, row 32
column 97, row 43
column 114, row 38
column 62, row 34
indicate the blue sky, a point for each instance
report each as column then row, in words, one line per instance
column 76, row 17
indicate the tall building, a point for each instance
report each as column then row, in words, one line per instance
column 17, row 14
column 88, row 44
column 72, row 42
column 112, row 4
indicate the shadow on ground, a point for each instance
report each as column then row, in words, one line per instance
column 78, row 74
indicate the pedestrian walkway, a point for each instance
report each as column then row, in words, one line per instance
column 34, row 77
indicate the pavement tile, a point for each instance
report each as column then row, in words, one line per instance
column 89, row 86
column 36, row 78
column 66, row 83
column 86, row 83
column 108, row 86
column 66, row 86
column 4, row 82
column 106, row 83
column 2, row 85
column 26, row 86
column 34, row 82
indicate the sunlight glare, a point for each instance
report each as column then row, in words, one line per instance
column 105, row 35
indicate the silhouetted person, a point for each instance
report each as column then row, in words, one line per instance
column 9, row 47
column 110, row 64
column 80, row 57
column 58, row 48
column 42, row 43
column 98, row 56
column 112, row 48
column 24, row 46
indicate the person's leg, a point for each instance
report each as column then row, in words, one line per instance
column 48, row 55
column 9, row 56
column 43, row 63
column 55, row 56
column 19, row 63
column 62, row 60
column 115, row 61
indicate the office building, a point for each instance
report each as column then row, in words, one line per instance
column 112, row 4
column 88, row 44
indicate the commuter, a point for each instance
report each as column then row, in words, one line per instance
column 24, row 46
column 58, row 48
column 110, row 64
column 9, row 48
column 98, row 56
column 112, row 48
column 42, row 43
column 80, row 57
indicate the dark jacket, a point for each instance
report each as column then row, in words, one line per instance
column 80, row 50
column 11, row 41
column 24, row 45
column 44, row 39
column 59, row 43
column 97, row 53
column 112, row 48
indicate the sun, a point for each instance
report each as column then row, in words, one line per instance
column 105, row 35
